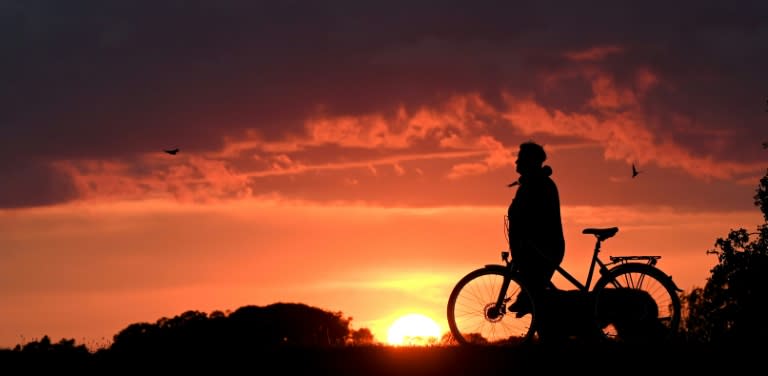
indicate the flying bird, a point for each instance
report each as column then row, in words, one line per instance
column 172, row 151
column 635, row 172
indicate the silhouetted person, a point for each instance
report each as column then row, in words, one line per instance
column 536, row 240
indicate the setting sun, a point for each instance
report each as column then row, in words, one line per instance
column 413, row 330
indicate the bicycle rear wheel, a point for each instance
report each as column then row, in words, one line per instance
column 637, row 303
column 474, row 316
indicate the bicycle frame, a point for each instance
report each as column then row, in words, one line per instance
column 595, row 263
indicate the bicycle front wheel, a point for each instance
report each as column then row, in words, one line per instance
column 477, row 309
column 637, row 303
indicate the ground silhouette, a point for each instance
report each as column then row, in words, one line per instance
column 293, row 338
column 569, row 358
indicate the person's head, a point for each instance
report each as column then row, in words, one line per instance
column 530, row 157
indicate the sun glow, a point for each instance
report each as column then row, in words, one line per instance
column 413, row 330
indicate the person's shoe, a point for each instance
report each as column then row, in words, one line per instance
column 521, row 306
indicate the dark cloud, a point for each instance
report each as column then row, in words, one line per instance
column 30, row 183
column 94, row 79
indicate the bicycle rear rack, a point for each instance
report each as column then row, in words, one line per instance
column 650, row 260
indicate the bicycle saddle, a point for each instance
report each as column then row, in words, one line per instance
column 601, row 233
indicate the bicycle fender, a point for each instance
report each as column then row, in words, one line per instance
column 498, row 267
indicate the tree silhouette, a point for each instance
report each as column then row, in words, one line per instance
column 291, row 323
column 729, row 308
column 44, row 345
column 362, row 336
column 761, row 196
column 279, row 324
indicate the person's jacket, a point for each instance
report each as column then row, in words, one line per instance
column 534, row 217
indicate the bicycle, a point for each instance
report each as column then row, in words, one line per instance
column 478, row 313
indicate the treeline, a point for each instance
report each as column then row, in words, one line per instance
column 279, row 324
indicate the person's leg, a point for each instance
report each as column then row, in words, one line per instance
column 522, row 304
column 535, row 285
column 536, row 274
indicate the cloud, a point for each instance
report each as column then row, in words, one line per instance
column 92, row 90
column 34, row 183
column 594, row 53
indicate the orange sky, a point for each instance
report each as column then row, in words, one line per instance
column 86, row 271
column 354, row 158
